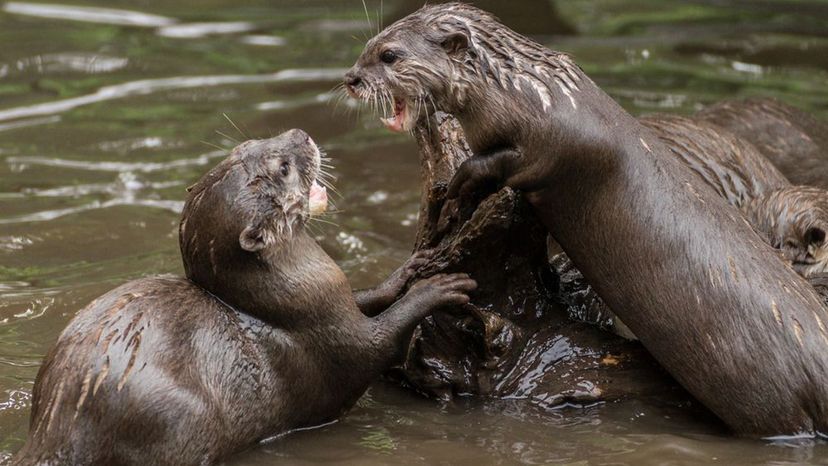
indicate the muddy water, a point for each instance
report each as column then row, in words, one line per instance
column 107, row 115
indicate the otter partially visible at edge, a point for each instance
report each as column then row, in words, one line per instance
column 263, row 336
column 794, row 219
column 685, row 271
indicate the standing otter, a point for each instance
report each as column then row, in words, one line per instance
column 264, row 335
column 709, row 299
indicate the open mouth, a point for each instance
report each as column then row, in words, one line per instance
column 317, row 199
column 318, row 196
column 397, row 121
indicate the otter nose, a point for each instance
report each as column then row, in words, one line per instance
column 297, row 136
column 352, row 82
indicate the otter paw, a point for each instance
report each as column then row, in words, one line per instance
column 395, row 283
column 444, row 289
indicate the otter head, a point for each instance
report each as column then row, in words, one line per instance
column 804, row 242
column 256, row 200
column 417, row 65
column 796, row 221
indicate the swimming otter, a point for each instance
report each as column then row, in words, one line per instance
column 262, row 337
column 705, row 294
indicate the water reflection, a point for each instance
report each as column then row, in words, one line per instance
column 197, row 30
column 150, row 86
column 87, row 14
column 20, row 163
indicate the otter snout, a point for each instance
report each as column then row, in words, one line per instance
column 297, row 137
column 353, row 83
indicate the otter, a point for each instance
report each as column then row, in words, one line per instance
column 795, row 141
column 709, row 299
column 262, row 337
column 795, row 219
column 729, row 164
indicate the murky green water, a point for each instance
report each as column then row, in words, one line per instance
column 106, row 116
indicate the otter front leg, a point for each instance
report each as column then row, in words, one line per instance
column 392, row 327
column 476, row 178
column 375, row 300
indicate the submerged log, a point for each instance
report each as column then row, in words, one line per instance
column 516, row 338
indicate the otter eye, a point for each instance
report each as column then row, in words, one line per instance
column 284, row 169
column 388, row 57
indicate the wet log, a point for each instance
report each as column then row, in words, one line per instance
column 516, row 339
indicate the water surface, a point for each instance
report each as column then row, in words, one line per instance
column 108, row 110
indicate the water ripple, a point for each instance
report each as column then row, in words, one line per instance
column 17, row 399
column 267, row 41
column 298, row 103
column 107, row 166
column 46, row 215
column 80, row 190
column 150, row 86
column 88, row 14
column 90, row 63
column 199, row 30
column 29, row 122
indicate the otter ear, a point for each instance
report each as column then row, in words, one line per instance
column 252, row 239
column 455, row 43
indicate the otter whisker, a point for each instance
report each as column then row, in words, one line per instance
column 326, row 222
column 367, row 16
column 337, row 101
column 328, row 185
column 390, row 97
column 338, row 87
column 323, row 172
column 235, row 126
column 330, row 188
column 314, row 229
column 330, row 213
column 324, row 175
column 215, row 145
column 228, row 137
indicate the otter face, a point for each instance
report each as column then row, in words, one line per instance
column 260, row 196
column 796, row 220
column 280, row 189
column 411, row 68
column 804, row 244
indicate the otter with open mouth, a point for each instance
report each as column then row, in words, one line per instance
column 264, row 336
column 712, row 301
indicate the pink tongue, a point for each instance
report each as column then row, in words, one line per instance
column 317, row 199
column 395, row 123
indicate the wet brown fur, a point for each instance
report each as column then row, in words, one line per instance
column 794, row 219
column 795, row 141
